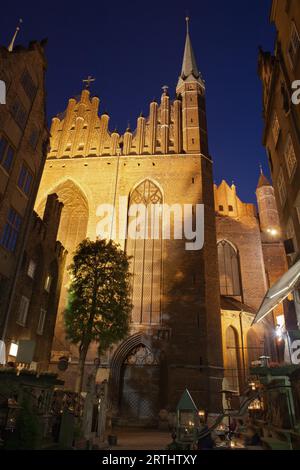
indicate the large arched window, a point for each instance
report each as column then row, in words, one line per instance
column 232, row 359
column 72, row 230
column 229, row 269
column 146, row 252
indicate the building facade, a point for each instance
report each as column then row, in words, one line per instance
column 281, row 135
column 175, row 290
column 23, row 134
column 251, row 257
column 192, row 309
column 30, row 326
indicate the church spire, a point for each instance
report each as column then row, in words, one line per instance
column 189, row 70
column 12, row 42
column 263, row 180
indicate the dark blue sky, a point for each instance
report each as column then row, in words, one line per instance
column 133, row 48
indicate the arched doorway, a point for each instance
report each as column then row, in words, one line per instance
column 139, row 385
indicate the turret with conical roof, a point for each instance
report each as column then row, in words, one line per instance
column 267, row 209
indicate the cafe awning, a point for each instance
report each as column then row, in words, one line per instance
column 278, row 292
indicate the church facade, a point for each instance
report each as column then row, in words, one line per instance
column 179, row 334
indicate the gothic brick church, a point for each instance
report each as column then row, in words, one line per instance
column 192, row 310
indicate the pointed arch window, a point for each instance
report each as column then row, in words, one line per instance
column 232, row 359
column 229, row 269
column 146, row 252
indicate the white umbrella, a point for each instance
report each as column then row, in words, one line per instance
column 279, row 291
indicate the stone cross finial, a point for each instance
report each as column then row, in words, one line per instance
column 87, row 81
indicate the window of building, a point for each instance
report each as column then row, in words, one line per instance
column 281, row 188
column 31, row 269
column 34, row 137
column 11, row 230
column 19, row 113
column 229, row 269
column 6, row 154
column 231, row 372
column 23, row 310
column 146, row 252
column 48, row 282
column 275, row 128
column 290, row 157
column 221, row 208
column 298, row 213
column 28, row 85
column 41, row 323
column 230, row 208
column 294, row 45
column 290, row 233
column 25, row 179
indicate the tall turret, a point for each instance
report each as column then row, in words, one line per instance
column 268, row 214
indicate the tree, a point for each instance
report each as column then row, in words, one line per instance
column 99, row 298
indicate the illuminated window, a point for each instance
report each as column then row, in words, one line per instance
column 41, row 323
column 294, row 45
column 146, row 264
column 13, row 349
column 31, row 269
column 23, row 311
column 281, row 187
column 290, row 157
column 229, row 269
column 48, row 282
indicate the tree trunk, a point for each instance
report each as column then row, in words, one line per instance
column 81, row 364
column 86, row 340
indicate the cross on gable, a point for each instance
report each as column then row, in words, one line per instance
column 87, row 81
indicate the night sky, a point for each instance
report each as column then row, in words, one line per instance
column 134, row 48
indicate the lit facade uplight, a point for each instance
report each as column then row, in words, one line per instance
column 279, row 333
column 252, row 385
column 13, row 350
column 272, row 231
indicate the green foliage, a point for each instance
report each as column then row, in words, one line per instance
column 99, row 295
